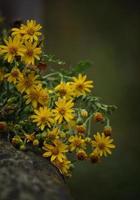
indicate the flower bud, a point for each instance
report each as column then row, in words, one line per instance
column 98, row 117
column 80, row 128
column 11, row 100
column 81, row 155
column 107, row 130
column 79, row 121
column 94, row 158
column 84, row 113
column 36, row 142
column 88, row 140
column 16, row 140
column 22, row 147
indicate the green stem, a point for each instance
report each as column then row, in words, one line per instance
column 57, row 73
column 52, row 74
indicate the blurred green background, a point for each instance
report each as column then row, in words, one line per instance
column 108, row 33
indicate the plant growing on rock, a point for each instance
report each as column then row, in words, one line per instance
column 46, row 110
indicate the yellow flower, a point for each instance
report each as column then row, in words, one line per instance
column 64, row 89
column 16, row 140
column 27, row 82
column 31, row 52
column 44, row 97
column 12, row 49
column 37, row 96
column 14, row 75
column 55, row 151
column 30, row 137
column 64, row 110
column 94, row 157
column 102, row 144
column 81, row 154
column 81, row 86
column 1, row 74
column 53, row 134
column 33, row 95
column 64, row 166
column 29, row 31
column 76, row 142
column 43, row 117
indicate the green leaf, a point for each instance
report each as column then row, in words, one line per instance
column 82, row 66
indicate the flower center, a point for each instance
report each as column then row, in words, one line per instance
column 77, row 143
column 29, row 52
column 28, row 83
column 62, row 92
column 34, row 95
column 80, row 87
column 101, row 146
column 15, row 74
column 62, row 111
column 44, row 97
column 30, row 31
column 55, row 151
column 12, row 50
column 43, row 119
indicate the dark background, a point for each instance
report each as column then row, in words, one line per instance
column 108, row 33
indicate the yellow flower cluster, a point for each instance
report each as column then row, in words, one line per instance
column 23, row 43
column 54, row 117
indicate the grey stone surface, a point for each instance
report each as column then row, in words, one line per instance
column 28, row 176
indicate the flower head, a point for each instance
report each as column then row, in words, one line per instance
column 36, row 96
column 81, row 86
column 53, row 134
column 43, row 117
column 56, row 150
column 30, row 137
column 102, row 144
column 31, row 51
column 29, row 31
column 64, row 166
column 27, row 82
column 76, row 142
column 81, row 154
column 64, row 89
column 63, row 110
column 14, row 75
column 12, row 48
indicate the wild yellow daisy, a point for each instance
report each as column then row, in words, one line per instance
column 63, row 110
column 76, row 142
column 31, row 52
column 14, row 75
column 27, row 82
column 30, row 137
column 12, row 48
column 64, row 166
column 33, row 95
column 64, row 89
column 43, row 117
column 29, row 31
column 37, row 96
column 102, row 144
column 1, row 74
column 81, row 154
column 53, row 133
column 56, row 151
column 81, row 86
column 44, row 97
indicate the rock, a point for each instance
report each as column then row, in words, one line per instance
column 28, row 176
